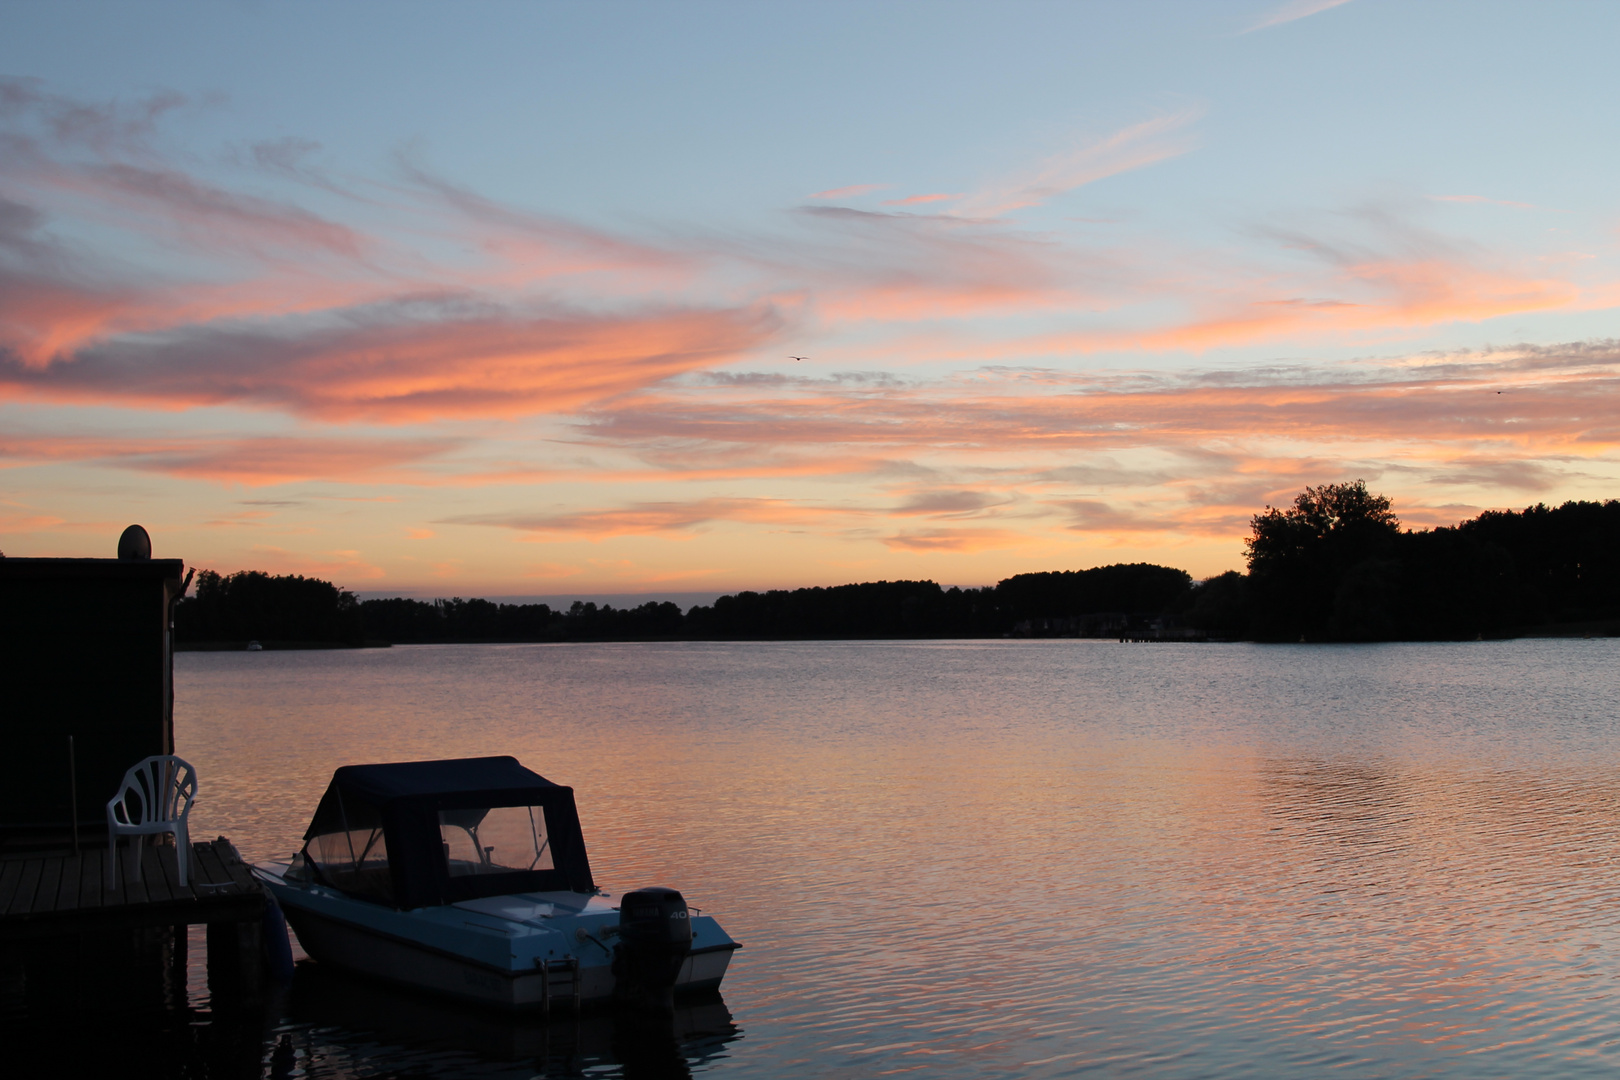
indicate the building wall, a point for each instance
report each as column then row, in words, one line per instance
column 87, row 653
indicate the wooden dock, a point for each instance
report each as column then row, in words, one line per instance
column 60, row 892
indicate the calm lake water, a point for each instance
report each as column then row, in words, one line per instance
column 975, row 859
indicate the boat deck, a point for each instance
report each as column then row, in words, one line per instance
column 60, row 892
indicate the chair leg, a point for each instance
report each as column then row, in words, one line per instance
column 136, row 844
column 182, row 851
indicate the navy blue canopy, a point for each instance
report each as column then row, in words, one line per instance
column 403, row 779
column 418, row 833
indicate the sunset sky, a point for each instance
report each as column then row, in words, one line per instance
column 503, row 299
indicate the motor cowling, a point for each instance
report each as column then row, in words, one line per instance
column 655, row 936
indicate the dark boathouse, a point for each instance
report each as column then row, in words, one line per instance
column 88, row 653
column 89, row 692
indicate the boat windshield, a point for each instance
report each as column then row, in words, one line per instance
column 354, row 859
column 495, row 840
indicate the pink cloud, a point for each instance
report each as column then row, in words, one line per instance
column 341, row 567
column 1291, row 11
column 547, row 316
column 1223, row 442
column 870, row 267
column 657, row 517
column 1134, row 147
column 849, row 192
column 210, row 214
column 948, row 503
column 251, row 462
column 955, row 540
column 1483, row 199
column 404, row 362
column 430, row 303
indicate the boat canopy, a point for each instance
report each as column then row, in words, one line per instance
column 418, row 833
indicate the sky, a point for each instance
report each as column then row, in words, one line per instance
column 626, row 298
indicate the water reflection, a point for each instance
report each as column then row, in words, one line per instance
column 338, row 1025
column 983, row 859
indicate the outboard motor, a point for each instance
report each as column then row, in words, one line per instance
column 655, row 935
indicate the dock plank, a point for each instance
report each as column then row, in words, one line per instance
column 159, row 888
column 91, row 890
column 50, row 878
column 67, row 893
column 10, row 877
column 130, row 890
column 226, row 871
column 23, row 899
column 63, row 893
column 169, row 860
column 240, row 871
column 208, row 871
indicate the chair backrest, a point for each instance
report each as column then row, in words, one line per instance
column 160, row 788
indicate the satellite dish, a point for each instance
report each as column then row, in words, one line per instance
column 134, row 544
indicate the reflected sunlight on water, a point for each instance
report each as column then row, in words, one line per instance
column 1026, row 858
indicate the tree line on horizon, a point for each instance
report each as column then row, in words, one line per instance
column 1333, row 566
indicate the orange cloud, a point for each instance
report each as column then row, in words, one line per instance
column 1214, row 446
column 405, row 362
column 335, row 566
column 656, row 517
column 955, row 540
column 959, row 503
column 431, row 304
column 1571, row 411
column 251, row 462
column 542, row 315
column 1411, row 294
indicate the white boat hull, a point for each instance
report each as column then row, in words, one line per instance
column 470, row 953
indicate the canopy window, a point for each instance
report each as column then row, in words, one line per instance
column 350, row 852
column 497, row 840
column 419, row 833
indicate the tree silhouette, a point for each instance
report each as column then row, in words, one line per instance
column 1321, row 569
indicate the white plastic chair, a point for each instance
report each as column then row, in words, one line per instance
column 155, row 798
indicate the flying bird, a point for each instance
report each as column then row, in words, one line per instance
column 798, row 358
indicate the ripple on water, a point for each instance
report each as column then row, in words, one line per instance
column 1009, row 858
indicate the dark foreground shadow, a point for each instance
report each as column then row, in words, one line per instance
column 122, row 1005
column 119, row 1004
column 332, row 1017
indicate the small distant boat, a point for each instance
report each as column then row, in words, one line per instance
column 469, row 878
column 254, row 646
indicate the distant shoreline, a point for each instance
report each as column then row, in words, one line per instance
column 1600, row 628
column 1333, row 566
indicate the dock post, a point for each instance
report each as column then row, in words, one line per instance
column 179, row 945
column 235, row 959
column 73, row 793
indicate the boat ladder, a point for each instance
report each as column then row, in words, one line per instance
column 549, row 981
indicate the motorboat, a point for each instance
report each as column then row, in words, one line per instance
column 469, row 878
